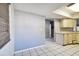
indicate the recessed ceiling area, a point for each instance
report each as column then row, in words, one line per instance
column 43, row 9
column 71, row 11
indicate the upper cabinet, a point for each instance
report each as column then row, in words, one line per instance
column 67, row 23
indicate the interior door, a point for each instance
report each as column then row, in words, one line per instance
column 4, row 24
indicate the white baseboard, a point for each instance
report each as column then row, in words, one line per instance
column 28, row 49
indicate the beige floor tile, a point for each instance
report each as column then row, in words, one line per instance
column 19, row 54
column 52, row 49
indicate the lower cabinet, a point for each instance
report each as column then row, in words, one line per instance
column 67, row 38
column 71, row 38
column 74, row 38
column 77, row 38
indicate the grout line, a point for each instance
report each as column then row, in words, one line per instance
column 50, row 51
column 28, row 49
column 43, row 51
column 29, row 52
column 22, row 53
column 75, row 52
column 37, row 52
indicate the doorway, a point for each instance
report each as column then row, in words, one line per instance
column 49, row 30
column 52, row 29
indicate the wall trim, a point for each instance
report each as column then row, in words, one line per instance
column 27, row 49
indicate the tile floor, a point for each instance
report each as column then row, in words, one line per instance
column 51, row 49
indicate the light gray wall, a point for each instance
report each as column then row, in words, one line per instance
column 57, row 30
column 56, row 26
column 47, row 29
column 30, row 30
column 8, row 49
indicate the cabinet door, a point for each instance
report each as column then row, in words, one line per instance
column 70, row 38
column 77, row 38
column 71, row 23
column 74, row 38
column 67, row 23
column 63, row 23
column 65, row 38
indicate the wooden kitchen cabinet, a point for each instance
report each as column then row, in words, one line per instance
column 74, row 38
column 77, row 38
column 67, row 23
column 65, row 38
column 70, row 38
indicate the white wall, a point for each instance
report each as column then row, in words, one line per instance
column 56, row 26
column 47, row 29
column 30, row 30
column 8, row 49
column 56, row 30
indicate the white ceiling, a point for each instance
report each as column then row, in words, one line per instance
column 44, row 9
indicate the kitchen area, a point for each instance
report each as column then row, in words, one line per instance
column 68, row 32
column 68, row 25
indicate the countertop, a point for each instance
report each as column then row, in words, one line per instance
column 62, row 32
